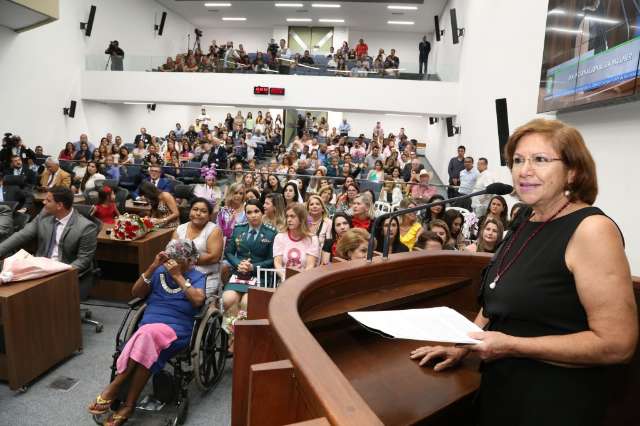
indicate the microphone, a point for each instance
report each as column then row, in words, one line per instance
column 497, row 188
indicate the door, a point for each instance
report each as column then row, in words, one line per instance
column 317, row 40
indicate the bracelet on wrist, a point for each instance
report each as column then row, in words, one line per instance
column 145, row 279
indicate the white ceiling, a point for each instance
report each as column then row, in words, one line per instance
column 263, row 14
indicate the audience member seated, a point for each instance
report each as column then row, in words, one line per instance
column 13, row 193
column 353, row 245
column 489, row 237
column 410, row 227
column 430, row 241
column 391, row 225
column 68, row 153
column 106, row 209
column 53, row 175
column 17, row 167
column 164, row 209
column 326, row 193
column 155, row 178
column 377, row 173
column 297, row 248
column 174, row 291
column 208, row 240
column 435, row 212
column 497, row 210
column 390, row 193
column 441, row 228
column 362, row 212
column 455, row 221
column 274, row 211
column 88, row 181
column 209, row 190
column 319, row 221
column 62, row 234
column 233, row 212
column 422, row 189
column 346, row 199
column 249, row 247
column 291, row 194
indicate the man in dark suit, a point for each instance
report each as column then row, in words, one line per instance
column 18, row 168
column 155, row 177
column 413, row 166
column 62, row 233
column 13, row 146
column 13, row 193
column 218, row 154
column 143, row 136
column 424, row 47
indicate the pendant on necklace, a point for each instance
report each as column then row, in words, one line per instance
column 492, row 285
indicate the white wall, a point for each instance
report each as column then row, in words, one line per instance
column 41, row 69
column 406, row 45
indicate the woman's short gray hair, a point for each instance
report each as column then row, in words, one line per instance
column 182, row 249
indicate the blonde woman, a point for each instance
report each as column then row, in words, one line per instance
column 410, row 228
column 297, row 247
column 319, row 222
column 353, row 244
column 232, row 213
column 274, row 211
column 363, row 212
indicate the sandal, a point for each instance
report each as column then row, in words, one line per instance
column 100, row 406
column 116, row 420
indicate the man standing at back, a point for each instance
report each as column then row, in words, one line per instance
column 485, row 177
column 456, row 165
column 424, row 47
column 62, row 233
column 468, row 177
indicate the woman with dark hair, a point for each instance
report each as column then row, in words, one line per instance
column 272, row 184
column 455, row 221
column 497, row 210
column 84, row 151
column 106, row 209
column 208, row 239
column 90, row 177
column 377, row 173
column 515, row 211
column 68, row 153
column 291, row 193
column 435, row 212
column 340, row 224
column 251, row 194
column 124, row 158
column 345, row 201
column 395, row 245
column 164, row 209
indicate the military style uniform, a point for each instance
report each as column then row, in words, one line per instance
column 247, row 243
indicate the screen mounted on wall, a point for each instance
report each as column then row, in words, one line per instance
column 591, row 53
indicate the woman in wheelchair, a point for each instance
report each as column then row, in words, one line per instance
column 174, row 290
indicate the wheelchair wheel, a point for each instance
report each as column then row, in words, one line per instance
column 210, row 353
column 133, row 323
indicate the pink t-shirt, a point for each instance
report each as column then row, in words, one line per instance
column 294, row 253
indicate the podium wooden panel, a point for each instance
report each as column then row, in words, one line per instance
column 40, row 326
column 342, row 374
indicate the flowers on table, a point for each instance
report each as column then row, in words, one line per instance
column 130, row 227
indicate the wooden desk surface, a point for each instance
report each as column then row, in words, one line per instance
column 139, row 209
column 35, row 315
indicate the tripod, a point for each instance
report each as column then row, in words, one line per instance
column 106, row 66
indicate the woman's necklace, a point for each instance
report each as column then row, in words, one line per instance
column 501, row 271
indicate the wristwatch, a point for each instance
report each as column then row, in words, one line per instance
column 187, row 284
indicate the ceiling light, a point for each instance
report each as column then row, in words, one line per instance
column 395, row 7
column 326, row 5
column 217, row 5
column 135, row 103
column 400, row 22
column 299, row 19
column 331, row 20
column 288, row 4
column 233, row 19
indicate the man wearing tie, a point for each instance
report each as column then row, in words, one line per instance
column 62, row 233
column 53, row 175
column 18, row 168
column 163, row 184
column 143, row 136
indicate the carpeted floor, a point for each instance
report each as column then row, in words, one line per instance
column 42, row 405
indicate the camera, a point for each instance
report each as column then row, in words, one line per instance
column 10, row 140
column 112, row 46
column 198, row 32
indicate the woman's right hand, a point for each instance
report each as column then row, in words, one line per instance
column 160, row 259
column 450, row 355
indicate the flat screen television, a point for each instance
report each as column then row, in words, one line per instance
column 591, row 53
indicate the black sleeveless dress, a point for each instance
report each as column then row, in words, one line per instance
column 537, row 297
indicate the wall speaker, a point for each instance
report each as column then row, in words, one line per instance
column 433, row 120
column 451, row 129
column 502, row 118
column 160, row 28
column 151, row 107
column 88, row 26
column 437, row 22
column 71, row 111
column 456, row 32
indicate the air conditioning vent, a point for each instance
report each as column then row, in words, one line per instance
column 214, row 10
column 397, row 13
column 302, row 11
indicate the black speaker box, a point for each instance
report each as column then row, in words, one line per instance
column 502, row 118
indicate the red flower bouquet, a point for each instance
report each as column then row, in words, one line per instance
column 131, row 227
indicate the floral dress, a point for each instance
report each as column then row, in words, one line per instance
column 227, row 220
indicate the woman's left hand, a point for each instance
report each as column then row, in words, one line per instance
column 173, row 268
column 494, row 345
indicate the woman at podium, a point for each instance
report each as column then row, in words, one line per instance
column 557, row 302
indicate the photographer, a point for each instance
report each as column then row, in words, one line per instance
column 116, row 56
column 12, row 146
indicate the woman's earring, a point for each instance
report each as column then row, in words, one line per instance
column 567, row 193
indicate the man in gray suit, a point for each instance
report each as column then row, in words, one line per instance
column 62, row 233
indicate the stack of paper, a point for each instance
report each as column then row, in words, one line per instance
column 440, row 324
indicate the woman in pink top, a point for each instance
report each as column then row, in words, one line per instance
column 296, row 248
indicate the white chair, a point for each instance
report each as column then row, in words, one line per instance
column 381, row 207
column 268, row 277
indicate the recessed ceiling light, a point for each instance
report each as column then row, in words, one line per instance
column 331, row 20
column 400, row 22
column 326, row 5
column 217, row 5
column 299, row 19
column 288, row 4
column 233, row 19
column 135, row 103
column 396, row 7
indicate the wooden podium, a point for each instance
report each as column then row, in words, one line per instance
column 300, row 359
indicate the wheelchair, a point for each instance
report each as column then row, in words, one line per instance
column 203, row 360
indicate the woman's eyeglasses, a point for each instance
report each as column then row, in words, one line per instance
column 537, row 161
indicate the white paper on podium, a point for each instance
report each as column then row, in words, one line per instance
column 440, row 324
